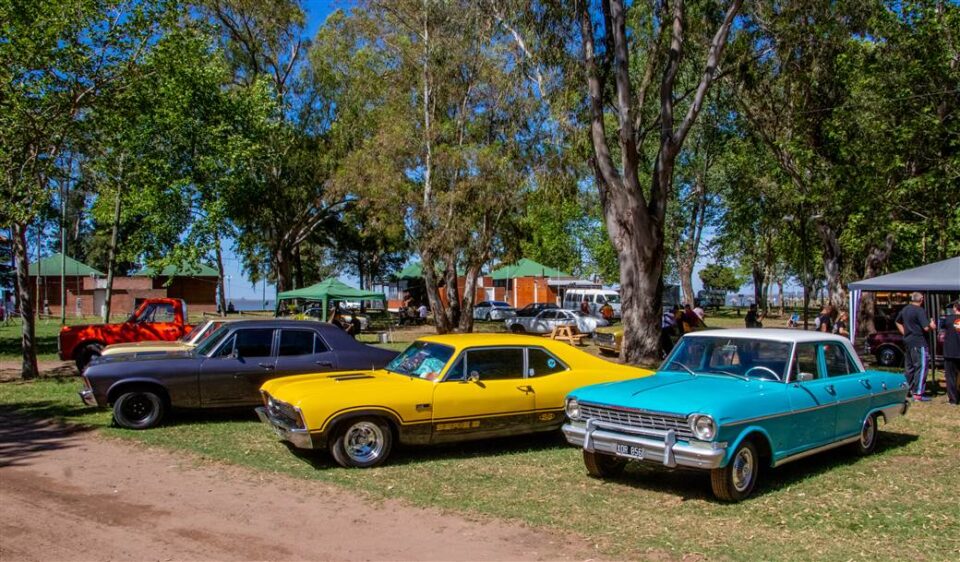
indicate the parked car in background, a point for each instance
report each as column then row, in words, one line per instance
column 154, row 320
column 888, row 348
column 440, row 389
column 224, row 371
column 729, row 401
column 609, row 339
column 547, row 320
column 535, row 308
column 493, row 310
column 186, row 342
column 596, row 299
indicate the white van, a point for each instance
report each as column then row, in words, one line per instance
column 595, row 298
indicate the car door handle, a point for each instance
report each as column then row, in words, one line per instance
column 324, row 363
column 865, row 383
column 267, row 366
column 525, row 388
column 829, row 388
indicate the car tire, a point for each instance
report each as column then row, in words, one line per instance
column 736, row 481
column 86, row 354
column 600, row 465
column 517, row 329
column 869, row 433
column 138, row 409
column 889, row 357
column 362, row 443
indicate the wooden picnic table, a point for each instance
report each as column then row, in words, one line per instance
column 567, row 333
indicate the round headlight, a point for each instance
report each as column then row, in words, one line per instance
column 573, row 409
column 703, row 427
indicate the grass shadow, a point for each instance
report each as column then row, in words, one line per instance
column 27, row 430
column 691, row 484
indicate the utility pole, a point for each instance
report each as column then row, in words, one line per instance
column 63, row 252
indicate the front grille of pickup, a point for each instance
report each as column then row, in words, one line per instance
column 642, row 420
column 605, row 338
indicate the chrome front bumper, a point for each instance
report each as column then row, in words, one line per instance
column 88, row 398
column 658, row 446
column 299, row 438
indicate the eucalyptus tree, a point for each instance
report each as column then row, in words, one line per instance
column 624, row 49
column 56, row 58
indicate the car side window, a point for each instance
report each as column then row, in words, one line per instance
column 254, row 342
column 806, row 361
column 296, row 342
column 227, row 347
column 837, row 361
column 158, row 312
column 548, row 315
column 495, row 364
column 540, row 363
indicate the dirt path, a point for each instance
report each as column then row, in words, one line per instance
column 67, row 494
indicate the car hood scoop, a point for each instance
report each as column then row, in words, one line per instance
column 352, row 377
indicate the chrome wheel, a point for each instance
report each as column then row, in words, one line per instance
column 364, row 442
column 868, row 433
column 743, row 469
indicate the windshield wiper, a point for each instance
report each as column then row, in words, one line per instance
column 687, row 369
column 743, row 377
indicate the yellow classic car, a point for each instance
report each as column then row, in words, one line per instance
column 440, row 389
column 608, row 339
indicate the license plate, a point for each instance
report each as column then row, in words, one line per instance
column 629, row 451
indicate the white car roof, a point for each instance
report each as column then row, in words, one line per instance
column 771, row 334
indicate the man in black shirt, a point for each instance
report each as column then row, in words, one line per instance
column 950, row 324
column 914, row 325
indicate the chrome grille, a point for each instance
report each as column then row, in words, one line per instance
column 283, row 411
column 600, row 337
column 643, row 420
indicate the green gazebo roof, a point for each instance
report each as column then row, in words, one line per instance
column 526, row 268
column 331, row 288
column 51, row 266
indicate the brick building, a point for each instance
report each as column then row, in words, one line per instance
column 87, row 287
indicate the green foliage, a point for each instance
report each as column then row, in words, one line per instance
column 720, row 277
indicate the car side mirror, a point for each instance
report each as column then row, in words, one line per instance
column 804, row 377
column 473, row 376
column 235, row 354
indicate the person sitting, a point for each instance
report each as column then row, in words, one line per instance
column 423, row 313
column 691, row 322
column 840, row 326
column 585, row 307
column 794, row 321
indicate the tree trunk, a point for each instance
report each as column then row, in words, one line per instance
column 780, row 296
column 877, row 257
column 221, row 288
column 112, row 256
column 282, row 262
column 433, row 293
column 297, row 268
column 469, row 296
column 641, row 291
column 832, row 265
column 686, row 282
column 28, row 340
column 758, row 275
column 453, row 292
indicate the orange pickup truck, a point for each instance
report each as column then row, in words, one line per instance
column 155, row 319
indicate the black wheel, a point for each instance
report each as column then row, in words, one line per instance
column 868, row 436
column 889, row 357
column 362, row 443
column 86, row 354
column 600, row 465
column 735, row 481
column 138, row 409
column 517, row 329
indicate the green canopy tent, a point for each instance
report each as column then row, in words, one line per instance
column 331, row 289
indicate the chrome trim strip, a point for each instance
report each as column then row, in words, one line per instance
column 809, row 452
column 822, row 406
column 637, row 410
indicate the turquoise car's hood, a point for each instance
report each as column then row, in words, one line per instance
column 675, row 393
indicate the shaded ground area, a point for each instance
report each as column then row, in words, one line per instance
column 117, row 501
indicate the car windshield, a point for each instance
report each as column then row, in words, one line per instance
column 209, row 342
column 421, row 359
column 612, row 299
column 500, row 304
column 739, row 357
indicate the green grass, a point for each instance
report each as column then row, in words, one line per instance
column 833, row 506
column 46, row 332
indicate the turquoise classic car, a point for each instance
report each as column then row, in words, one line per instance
column 728, row 401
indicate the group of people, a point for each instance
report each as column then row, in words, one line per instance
column 411, row 313
column 606, row 311
column 679, row 321
column 914, row 324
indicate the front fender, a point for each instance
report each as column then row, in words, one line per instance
column 108, row 396
column 746, row 432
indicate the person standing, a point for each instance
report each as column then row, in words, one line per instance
column 753, row 318
column 840, row 326
column 950, row 324
column 914, row 324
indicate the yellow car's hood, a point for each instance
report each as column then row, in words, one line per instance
column 142, row 346
column 319, row 396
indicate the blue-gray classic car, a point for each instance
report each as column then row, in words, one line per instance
column 728, row 401
column 226, row 370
